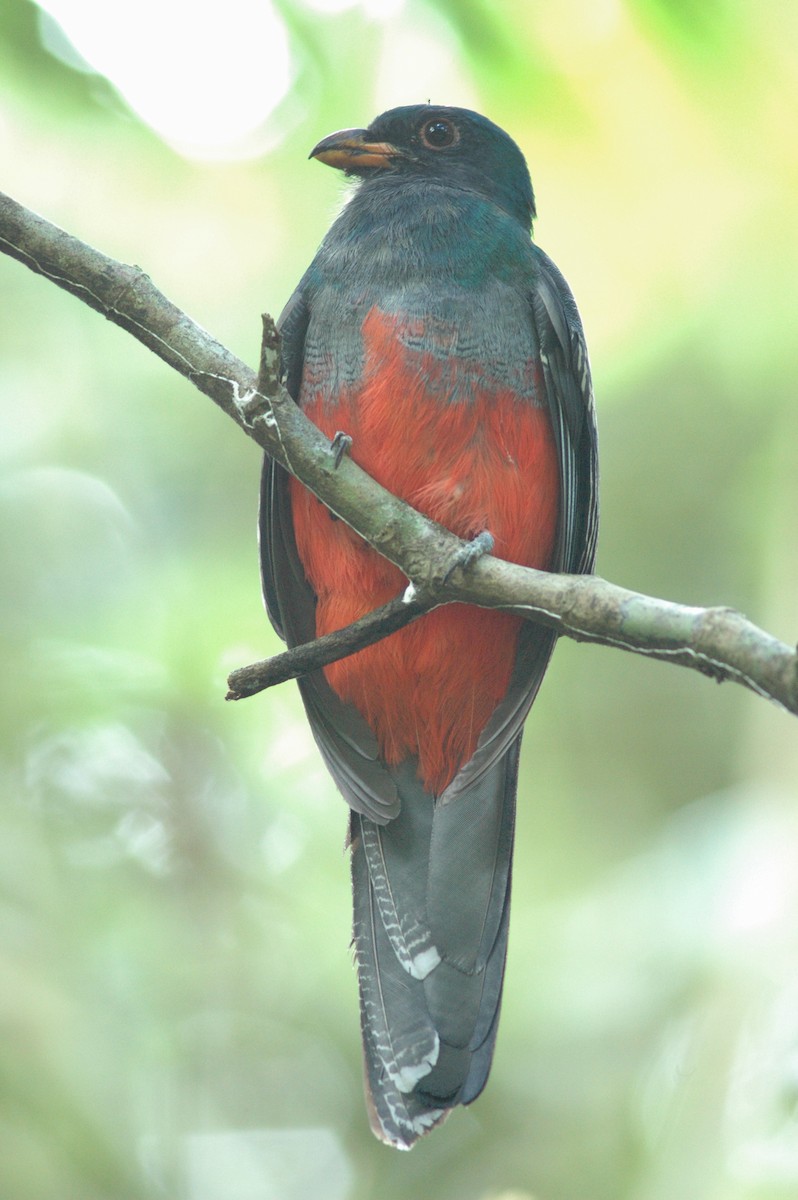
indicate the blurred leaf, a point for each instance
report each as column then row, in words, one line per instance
column 705, row 30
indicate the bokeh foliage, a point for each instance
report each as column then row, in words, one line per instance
column 178, row 1011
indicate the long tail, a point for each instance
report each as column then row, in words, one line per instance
column 431, row 910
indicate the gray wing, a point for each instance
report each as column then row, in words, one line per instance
column 347, row 745
column 569, row 396
column 569, row 392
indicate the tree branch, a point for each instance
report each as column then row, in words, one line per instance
column 291, row 664
column 717, row 642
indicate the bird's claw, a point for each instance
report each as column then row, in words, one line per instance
column 340, row 445
column 482, row 544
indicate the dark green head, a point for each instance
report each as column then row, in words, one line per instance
column 435, row 142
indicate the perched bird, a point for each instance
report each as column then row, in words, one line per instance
column 433, row 331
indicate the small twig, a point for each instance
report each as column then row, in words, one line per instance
column 311, row 656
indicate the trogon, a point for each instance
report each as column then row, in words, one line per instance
column 434, row 332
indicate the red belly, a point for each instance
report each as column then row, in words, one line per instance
column 487, row 462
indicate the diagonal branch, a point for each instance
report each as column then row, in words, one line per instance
column 127, row 296
column 292, row 664
column 717, row 642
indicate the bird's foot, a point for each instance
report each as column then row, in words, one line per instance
column 340, row 445
column 482, row 544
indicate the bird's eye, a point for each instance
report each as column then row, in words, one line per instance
column 438, row 134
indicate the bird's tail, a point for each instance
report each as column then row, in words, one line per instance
column 431, row 909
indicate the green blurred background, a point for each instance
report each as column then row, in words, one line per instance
column 178, row 1006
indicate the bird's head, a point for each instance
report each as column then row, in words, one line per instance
column 448, row 145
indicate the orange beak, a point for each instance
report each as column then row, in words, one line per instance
column 349, row 150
